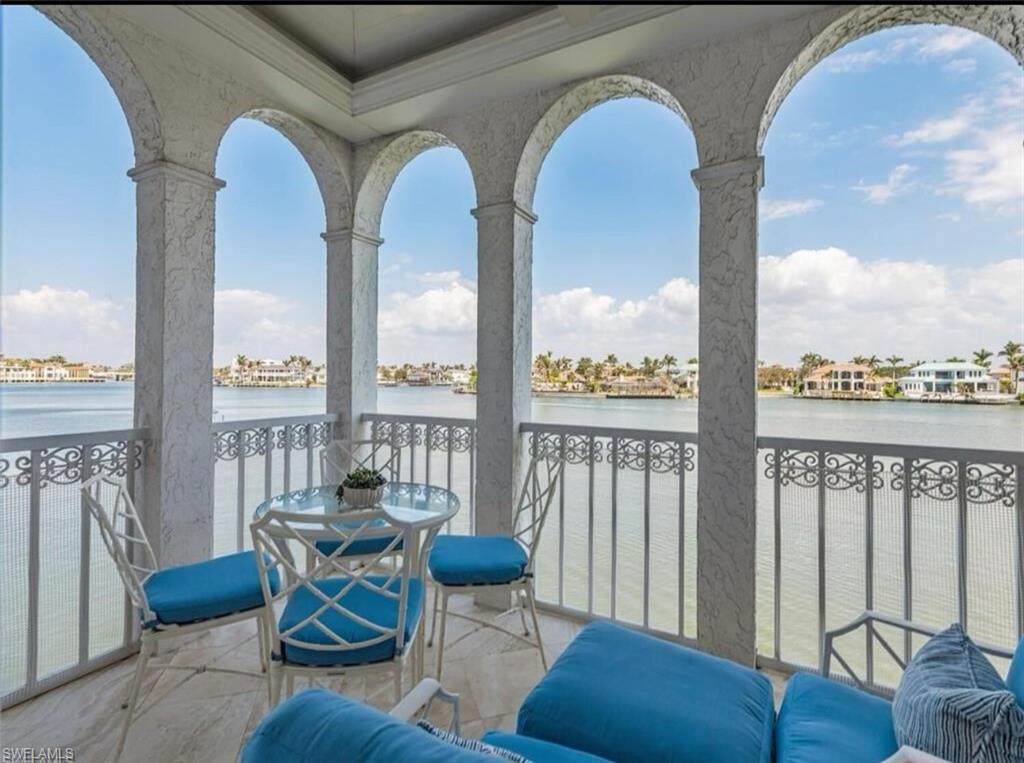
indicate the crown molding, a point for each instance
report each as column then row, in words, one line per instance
column 261, row 39
column 535, row 35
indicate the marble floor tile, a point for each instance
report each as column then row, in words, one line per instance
column 207, row 715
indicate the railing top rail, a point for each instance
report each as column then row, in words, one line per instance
column 280, row 421
column 896, row 450
column 44, row 442
column 635, row 434
column 405, row 418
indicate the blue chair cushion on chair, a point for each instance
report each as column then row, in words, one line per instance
column 1015, row 678
column 359, row 547
column 367, row 604
column 823, row 721
column 319, row 725
column 625, row 696
column 476, row 560
column 538, row 750
column 205, row 590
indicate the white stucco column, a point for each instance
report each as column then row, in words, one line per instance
column 351, row 327
column 504, row 313
column 727, row 411
column 174, row 355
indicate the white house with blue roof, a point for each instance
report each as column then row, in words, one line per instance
column 947, row 378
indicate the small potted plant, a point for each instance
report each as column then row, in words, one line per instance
column 362, row 487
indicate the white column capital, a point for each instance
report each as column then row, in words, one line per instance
column 355, row 235
column 713, row 173
column 501, row 208
column 162, row 168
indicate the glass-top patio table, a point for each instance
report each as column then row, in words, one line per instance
column 413, row 505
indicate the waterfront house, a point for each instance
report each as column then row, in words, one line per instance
column 843, row 380
column 739, row 544
column 688, row 377
column 947, row 379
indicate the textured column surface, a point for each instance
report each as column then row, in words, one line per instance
column 174, row 356
column 505, row 258
column 351, row 327
column 727, row 412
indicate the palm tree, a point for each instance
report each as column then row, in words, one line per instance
column 955, row 359
column 982, row 357
column 873, row 362
column 893, row 361
column 1012, row 352
column 859, row 360
column 668, row 362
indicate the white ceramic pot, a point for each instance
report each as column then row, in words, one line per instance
column 362, row 498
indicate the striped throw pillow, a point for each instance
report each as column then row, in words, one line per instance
column 952, row 703
column 472, row 744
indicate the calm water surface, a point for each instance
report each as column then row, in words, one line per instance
column 37, row 409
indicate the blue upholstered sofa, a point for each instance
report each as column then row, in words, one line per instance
column 615, row 695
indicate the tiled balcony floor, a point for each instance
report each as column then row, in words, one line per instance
column 188, row 716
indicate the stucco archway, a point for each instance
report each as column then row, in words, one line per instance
column 322, row 154
column 131, row 90
column 567, row 109
column 1002, row 23
column 384, row 169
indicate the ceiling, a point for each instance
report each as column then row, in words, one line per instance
column 359, row 40
column 369, row 70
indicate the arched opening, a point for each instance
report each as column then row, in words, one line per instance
column 615, row 272
column 270, row 298
column 891, row 235
column 427, row 289
column 68, row 275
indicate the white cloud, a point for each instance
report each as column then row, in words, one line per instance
column 776, row 209
column 261, row 324
column 897, row 183
column 961, row 66
column 440, row 277
column 71, row 322
column 953, row 217
column 946, row 42
column 942, row 129
column 831, row 302
column 991, row 171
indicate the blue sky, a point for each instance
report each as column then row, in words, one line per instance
column 892, row 219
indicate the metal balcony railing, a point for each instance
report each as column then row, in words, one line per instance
column 928, row 534
column 64, row 610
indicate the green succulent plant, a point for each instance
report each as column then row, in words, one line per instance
column 363, row 479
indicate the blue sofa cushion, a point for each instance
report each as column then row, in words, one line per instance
column 319, row 725
column 204, row 590
column 1015, row 678
column 367, row 604
column 476, row 560
column 625, row 696
column 952, row 703
column 538, row 750
column 822, row 721
column 359, row 547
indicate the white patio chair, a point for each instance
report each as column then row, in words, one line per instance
column 462, row 564
column 172, row 601
column 337, row 620
column 340, row 457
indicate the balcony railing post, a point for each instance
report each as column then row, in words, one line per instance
column 822, row 497
column 908, row 558
column 240, row 507
column 35, row 510
column 869, row 561
column 1019, row 546
column 777, row 561
column 961, row 543
column 84, row 564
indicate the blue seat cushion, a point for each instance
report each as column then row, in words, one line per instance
column 205, row 590
column 821, row 721
column 476, row 560
column 318, row 725
column 537, row 750
column 625, row 696
column 363, row 602
column 1015, row 678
